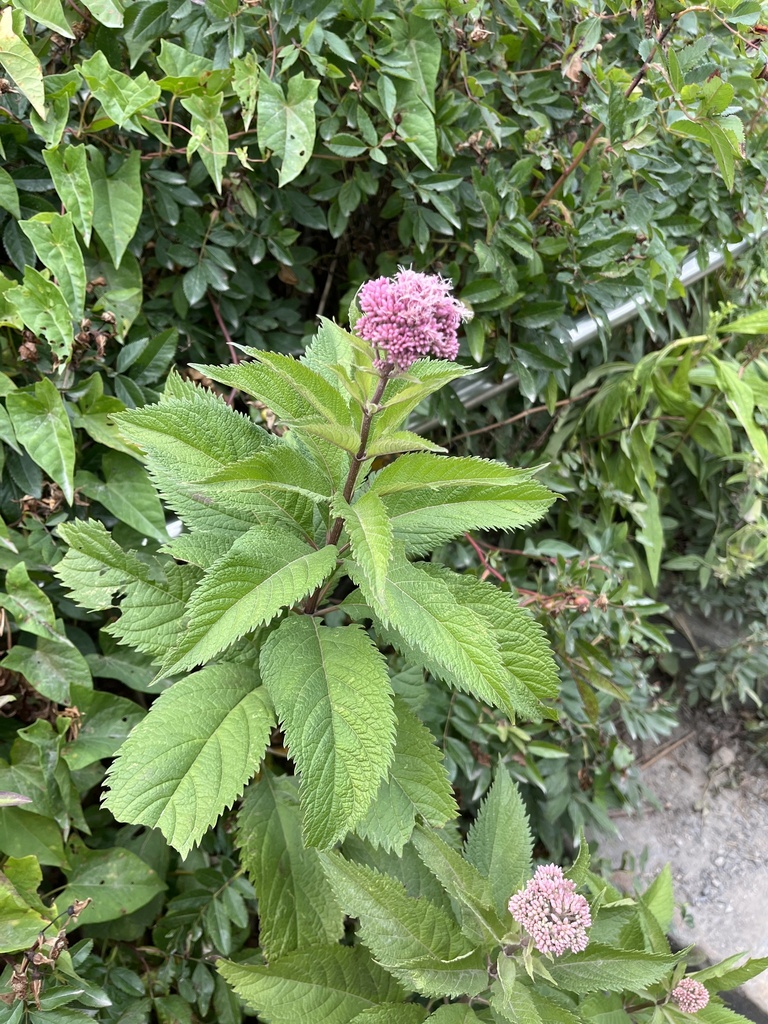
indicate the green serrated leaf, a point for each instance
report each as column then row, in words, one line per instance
column 499, row 843
column 331, row 690
column 612, row 970
column 190, row 758
column 297, row 908
column 414, row 939
column 370, row 532
column 331, row 983
column 262, row 573
column 417, row 786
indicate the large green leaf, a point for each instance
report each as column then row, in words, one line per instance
column 297, row 908
column 9, row 194
column 23, row 833
column 414, row 939
column 262, row 573
column 331, row 690
column 42, row 306
column 51, row 667
column 117, row 201
column 499, row 843
column 18, row 59
column 612, row 970
column 53, row 237
column 47, row 12
column 21, row 920
column 431, row 499
column 416, row 786
column 121, row 96
column 330, row 984
column 286, row 124
column 117, row 881
column 190, row 758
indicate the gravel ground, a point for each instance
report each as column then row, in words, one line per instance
column 713, row 829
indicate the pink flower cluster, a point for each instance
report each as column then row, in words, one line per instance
column 410, row 316
column 552, row 912
column 690, row 995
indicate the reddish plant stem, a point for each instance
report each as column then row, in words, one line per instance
column 488, row 568
column 524, row 414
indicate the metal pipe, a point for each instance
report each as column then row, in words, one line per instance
column 474, row 391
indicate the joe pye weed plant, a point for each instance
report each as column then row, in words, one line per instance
column 302, row 566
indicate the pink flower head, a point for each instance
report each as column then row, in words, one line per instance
column 552, row 912
column 410, row 316
column 690, row 995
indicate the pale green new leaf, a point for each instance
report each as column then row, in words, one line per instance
column 499, row 843
column 286, row 124
column 717, row 979
column 409, row 389
column 609, row 969
column 262, row 573
column 659, row 898
column 741, row 399
column 120, row 95
column 46, row 12
column 330, row 687
column 53, row 238
column 331, row 984
column 68, row 167
column 44, row 310
column 210, row 138
column 370, row 533
column 117, row 201
column 297, row 908
column 417, row 786
column 281, row 467
column 432, row 500
column 108, row 12
column 414, row 939
column 18, row 59
column 190, row 758
column 42, row 426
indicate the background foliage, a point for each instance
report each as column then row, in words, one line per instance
column 181, row 176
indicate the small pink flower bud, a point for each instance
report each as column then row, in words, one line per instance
column 411, row 316
column 690, row 995
column 552, row 912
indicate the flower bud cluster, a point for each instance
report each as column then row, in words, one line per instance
column 690, row 995
column 552, row 912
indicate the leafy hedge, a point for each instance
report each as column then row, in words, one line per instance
column 182, row 177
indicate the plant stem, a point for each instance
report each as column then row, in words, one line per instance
column 371, row 408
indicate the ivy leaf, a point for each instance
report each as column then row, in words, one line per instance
column 413, row 938
column 117, row 201
column 499, row 843
column 122, row 96
column 44, row 310
column 54, row 241
column 209, row 133
column 613, row 970
column 117, row 881
column 330, row 983
column 190, row 758
column 417, row 785
column 262, row 573
column 19, row 60
column 42, row 426
column 431, row 499
column 297, row 908
column 68, row 168
column 286, row 124
column 331, row 690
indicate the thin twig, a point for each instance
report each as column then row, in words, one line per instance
column 523, row 415
column 666, row 750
